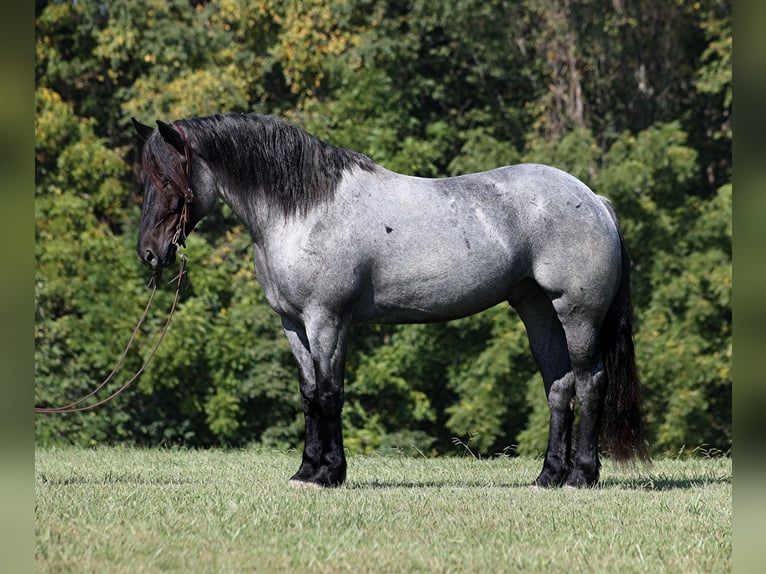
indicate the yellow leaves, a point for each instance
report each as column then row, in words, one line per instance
column 116, row 44
column 193, row 94
column 311, row 33
column 229, row 10
column 244, row 272
column 54, row 123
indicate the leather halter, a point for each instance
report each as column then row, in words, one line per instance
column 179, row 238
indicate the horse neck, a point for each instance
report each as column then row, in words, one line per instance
column 270, row 172
column 239, row 201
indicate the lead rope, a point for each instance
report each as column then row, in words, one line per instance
column 73, row 406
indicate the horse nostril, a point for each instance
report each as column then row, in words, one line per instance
column 150, row 258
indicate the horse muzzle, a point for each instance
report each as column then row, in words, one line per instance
column 157, row 259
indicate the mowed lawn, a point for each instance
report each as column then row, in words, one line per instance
column 133, row 510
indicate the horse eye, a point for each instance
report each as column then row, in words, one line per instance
column 165, row 182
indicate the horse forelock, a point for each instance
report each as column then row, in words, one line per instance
column 264, row 159
column 161, row 161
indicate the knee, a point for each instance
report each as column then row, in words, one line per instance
column 308, row 397
column 330, row 402
column 561, row 395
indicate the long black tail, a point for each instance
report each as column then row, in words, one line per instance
column 623, row 429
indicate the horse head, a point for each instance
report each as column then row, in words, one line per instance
column 170, row 209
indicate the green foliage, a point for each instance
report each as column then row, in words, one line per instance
column 685, row 342
column 426, row 88
column 490, row 382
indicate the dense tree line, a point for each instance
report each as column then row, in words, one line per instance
column 633, row 98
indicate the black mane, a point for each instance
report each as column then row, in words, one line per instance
column 287, row 167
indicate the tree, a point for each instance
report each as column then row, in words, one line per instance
column 634, row 99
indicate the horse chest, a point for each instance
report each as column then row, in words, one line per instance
column 293, row 278
column 271, row 281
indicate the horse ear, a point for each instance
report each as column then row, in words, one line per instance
column 172, row 136
column 142, row 130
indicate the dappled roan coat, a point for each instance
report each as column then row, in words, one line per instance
column 339, row 240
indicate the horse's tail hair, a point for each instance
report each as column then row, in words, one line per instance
column 622, row 425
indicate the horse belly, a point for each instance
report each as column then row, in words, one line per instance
column 445, row 278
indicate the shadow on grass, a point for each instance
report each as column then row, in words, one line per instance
column 378, row 484
column 110, row 478
column 649, row 483
column 664, row 482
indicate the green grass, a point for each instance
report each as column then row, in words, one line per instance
column 131, row 510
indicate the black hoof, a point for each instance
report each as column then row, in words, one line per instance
column 304, row 474
column 323, row 478
column 549, row 479
column 582, row 479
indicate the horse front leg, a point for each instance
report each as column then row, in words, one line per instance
column 321, row 357
column 327, row 336
column 312, row 444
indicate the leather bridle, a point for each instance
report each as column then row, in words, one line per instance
column 179, row 238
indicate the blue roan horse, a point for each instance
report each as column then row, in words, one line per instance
column 340, row 240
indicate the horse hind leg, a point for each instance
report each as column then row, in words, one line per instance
column 589, row 383
column 549, row 349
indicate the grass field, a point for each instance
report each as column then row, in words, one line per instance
column 130, row 510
